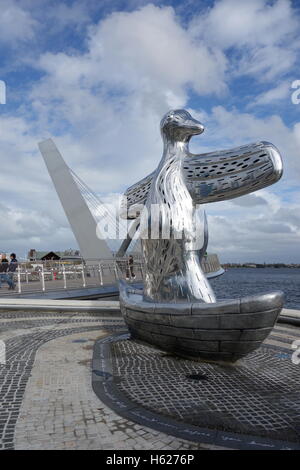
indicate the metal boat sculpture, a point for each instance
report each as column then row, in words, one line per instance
column 177, row 309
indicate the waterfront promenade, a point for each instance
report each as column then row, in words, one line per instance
column 95, row 277
column 51, row 399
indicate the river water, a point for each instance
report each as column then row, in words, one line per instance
column 238, row 282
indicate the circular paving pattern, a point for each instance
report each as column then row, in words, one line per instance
column 20, row 356
column 165, row 402
column 259, row 396
column 46, row 395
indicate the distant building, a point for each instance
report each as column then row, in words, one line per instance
column 34, row 255
column 67, row 255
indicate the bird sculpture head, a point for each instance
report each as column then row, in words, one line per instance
column 179, row 125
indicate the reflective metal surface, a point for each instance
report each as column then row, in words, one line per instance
column 173, row 248
column 221, row 331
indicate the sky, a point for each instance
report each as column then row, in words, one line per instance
column 97, row 77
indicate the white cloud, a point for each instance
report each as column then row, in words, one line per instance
column 143, row 50
column 262, row 34
column 266, row 63
column 16, row 23
column 150, row 46
column 255, row 233
column 274, row 95
column 232, row 23
column 64, row 15
column 249, row 201
column 103, row 108
column 23, row 228
column 138, row 66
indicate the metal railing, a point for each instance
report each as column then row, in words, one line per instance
column 42, row 276
column 210, row 263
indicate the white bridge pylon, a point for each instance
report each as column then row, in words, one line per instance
column 80, row 218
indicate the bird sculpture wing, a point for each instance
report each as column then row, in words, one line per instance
column 226, row 174
column 135, row 197
column 219, row 175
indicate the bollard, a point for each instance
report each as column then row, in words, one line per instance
column 83, row 277
column 64, row 276
column 100, row 274
column 19, row 279
column 43, row 279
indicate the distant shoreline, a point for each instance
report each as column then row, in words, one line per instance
column 258, row 265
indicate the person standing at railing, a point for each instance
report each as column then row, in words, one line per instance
column 3, row 272
column 12, row 268
column 129, row 271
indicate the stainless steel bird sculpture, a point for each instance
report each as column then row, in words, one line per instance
column 174, row 238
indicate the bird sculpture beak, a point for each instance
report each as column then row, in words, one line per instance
column 194, row 126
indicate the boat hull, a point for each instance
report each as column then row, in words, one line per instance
column 221, row 331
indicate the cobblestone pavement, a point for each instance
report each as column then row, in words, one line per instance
column 46, row 398
column 259, row 396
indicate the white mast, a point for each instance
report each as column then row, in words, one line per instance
column 80, row 218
